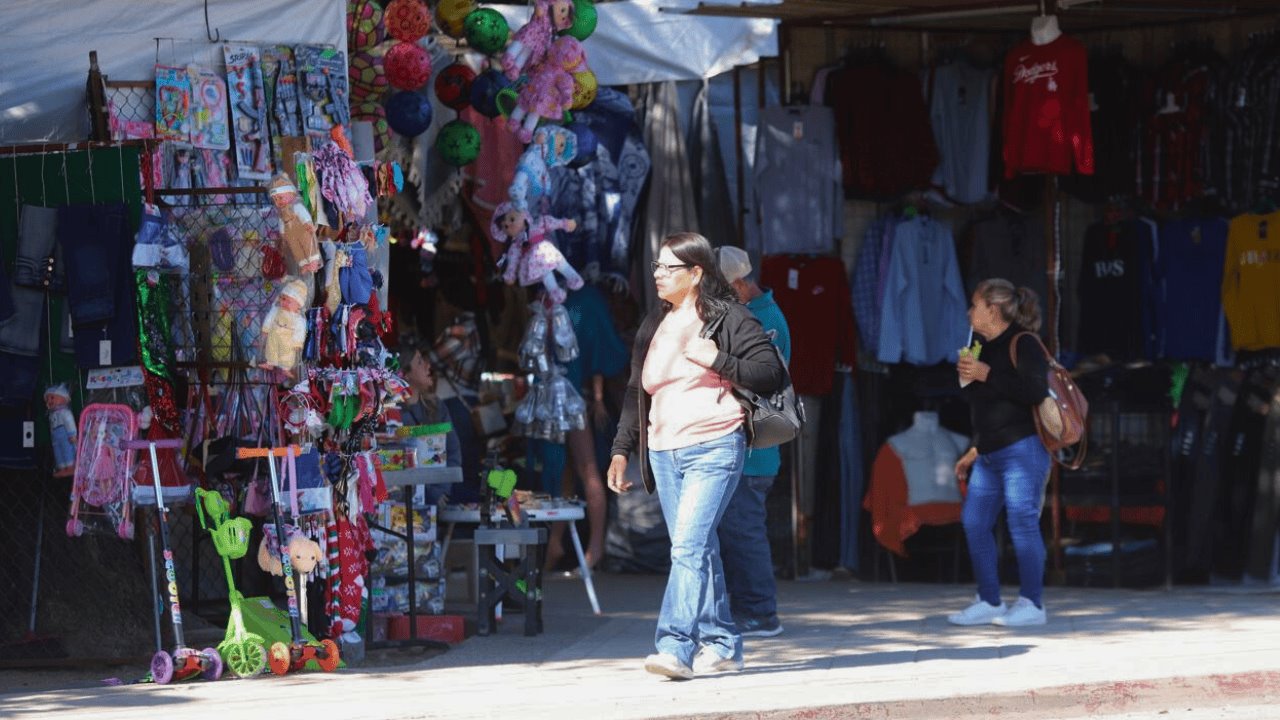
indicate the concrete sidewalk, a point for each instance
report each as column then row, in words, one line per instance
column 849, row 650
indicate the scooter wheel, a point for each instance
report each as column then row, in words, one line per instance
column 212, row 664
column 246, row 659
column 279, row 658
column 162, row 668
column 328, row 658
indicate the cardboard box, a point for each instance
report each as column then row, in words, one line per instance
column 445, row 628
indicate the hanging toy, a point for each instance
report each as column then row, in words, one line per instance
column 364, row 24
column 342, row 182
column 298, row 232
column 409, row 113
column 485, row 90
column 451, row 16
column 552, row 147
column 367, row 73
column 407, row 20
column 585, row 17
column 588, row 143
column 62, row 429
column 585, row 87
column 284, row 330
column 531, row 257
column 486, row 31
column 532, row 41
column 550, row 90
column 408, row 66
column 458, row 143
column 453, row 85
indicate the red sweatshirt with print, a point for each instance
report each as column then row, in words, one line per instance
column 1046, row 109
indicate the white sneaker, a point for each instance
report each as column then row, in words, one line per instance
column 667, row 666
column 1022, row 614
column 980, row 612
column 708, row 662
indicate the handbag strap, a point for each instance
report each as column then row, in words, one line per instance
column 1078, row 460
column 1013, row 348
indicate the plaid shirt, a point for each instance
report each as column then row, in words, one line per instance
column 866, row 283
column 456, row 353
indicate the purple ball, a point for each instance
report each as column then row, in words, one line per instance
column 409, row 113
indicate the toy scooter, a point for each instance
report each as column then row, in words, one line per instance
column 244, row 652
column 281, row 657
column 184, row 663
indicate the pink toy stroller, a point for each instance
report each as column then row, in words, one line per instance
column 100, row 492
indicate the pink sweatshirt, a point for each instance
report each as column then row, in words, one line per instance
column 691, row 404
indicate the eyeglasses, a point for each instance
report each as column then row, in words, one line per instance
column 665, row 269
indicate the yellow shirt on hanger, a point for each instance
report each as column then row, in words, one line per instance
column 1251, row 281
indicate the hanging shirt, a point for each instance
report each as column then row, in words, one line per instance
column 1115, row 284
column 1010, row 246
column 923, row 315
column 813, row 293
column 1046, row 109
column 1189, row 299
column 959, row 97
column 1251, row 281
column 866, row 281
column 798, row 180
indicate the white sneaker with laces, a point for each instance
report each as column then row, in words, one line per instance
column 667, row 666
column 708, row 662
column 980, row 612
column 1022, row 613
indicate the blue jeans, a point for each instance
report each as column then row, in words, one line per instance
column 93, row 240
column 1014, row 478
column 744, row 549
column 694, row 486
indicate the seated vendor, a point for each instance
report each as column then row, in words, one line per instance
column 423, row 407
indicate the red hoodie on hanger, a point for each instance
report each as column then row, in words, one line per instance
column 1046, row 109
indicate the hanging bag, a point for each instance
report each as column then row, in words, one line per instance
column 772, row 419
column 1061, row 418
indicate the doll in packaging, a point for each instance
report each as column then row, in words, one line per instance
column 62, row 429
column 284, row 331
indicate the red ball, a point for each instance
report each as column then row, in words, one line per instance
column 407, row 66
column 453, row 85
column 407, row 20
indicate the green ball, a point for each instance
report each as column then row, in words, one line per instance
column 486, row 31
column 458, row 143
column 584, row 20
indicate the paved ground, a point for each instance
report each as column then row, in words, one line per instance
column 849, row 650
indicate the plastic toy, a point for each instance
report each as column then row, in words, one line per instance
column 100, row 488
column 183, row 663
column 244, row 652
column 281, row 657
column 62, row 429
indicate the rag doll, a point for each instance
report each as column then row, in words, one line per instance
column 298, row 232
column 62, row 428
column 304, row 553
column 285, row 328
column 531, row 256
column 531, row 42
column 552, row 147
column 549, row 92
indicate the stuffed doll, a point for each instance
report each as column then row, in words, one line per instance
column 297, row 230
column 62, row 429
column 285, row 328
column 549, row 92
column 552, row 147
column 531, row 256
column 531, row 42
column 304, row 553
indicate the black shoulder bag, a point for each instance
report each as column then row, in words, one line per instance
column 772, row 419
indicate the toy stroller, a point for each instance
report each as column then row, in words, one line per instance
column 101, row 485
column 281, row 657
column 244, row 652
column 184, row 663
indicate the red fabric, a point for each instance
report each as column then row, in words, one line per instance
column 1046, row 109
column 819, row 311
column 353, row 541
column 486, row 182
column 892, row 519
column 886, row 142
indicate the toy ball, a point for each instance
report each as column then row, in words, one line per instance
column 587, row 144
column 458, row 143
column 453, row 85
column 487, row 31
column 374, row 113
column 484, row 92
column 451, row 16
column 584, row 89
column 407, row 20
column 367, row 73
column 585, row 18
column 408, row 67
column 409, row 113
column 364, row 25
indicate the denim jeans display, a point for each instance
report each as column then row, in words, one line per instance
column 1014, row 478
column 694, row 486
column 37, row 249
column 744, row 550
column 94, row 238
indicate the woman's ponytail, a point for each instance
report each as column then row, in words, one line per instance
column 1026, row 310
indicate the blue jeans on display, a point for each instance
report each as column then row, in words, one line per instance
column 93, row 239
column 694, row 486
column 852, row 482
column 744, row 549
column 37, row 243
column 1014, row 478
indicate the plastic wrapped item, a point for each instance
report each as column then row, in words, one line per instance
column 566, row 341
column 100, row 497
column 533, row 348
column 388, row 597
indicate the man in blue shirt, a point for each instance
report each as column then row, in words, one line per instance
column 744, row 542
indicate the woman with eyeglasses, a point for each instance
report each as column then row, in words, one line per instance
column 684, row 420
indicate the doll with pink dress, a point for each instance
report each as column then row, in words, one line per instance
column 531, row 42
column 531, row 257
column 549, row 92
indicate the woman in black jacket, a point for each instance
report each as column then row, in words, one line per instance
column 685, row 421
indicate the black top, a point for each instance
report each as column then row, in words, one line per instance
column 1001, row 406
column 746, row 359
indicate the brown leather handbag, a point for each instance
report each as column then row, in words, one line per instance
column 1062, row 417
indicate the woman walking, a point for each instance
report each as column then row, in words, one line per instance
column 686, row 424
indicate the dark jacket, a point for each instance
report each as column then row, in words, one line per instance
column 747, row 359
column 1001, row 406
